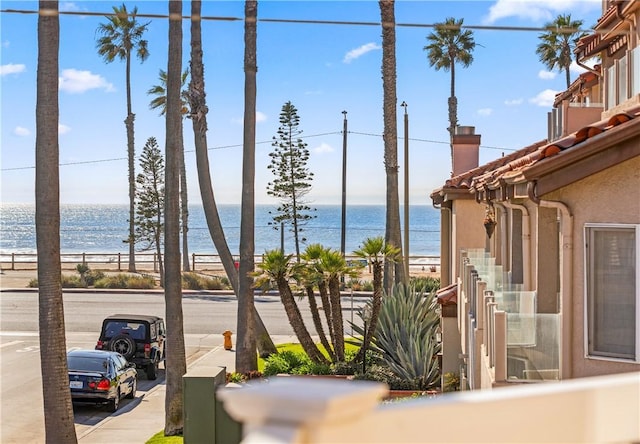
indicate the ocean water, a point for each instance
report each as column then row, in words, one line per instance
column 102, row 228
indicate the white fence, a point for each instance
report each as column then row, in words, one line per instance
column 149, row 261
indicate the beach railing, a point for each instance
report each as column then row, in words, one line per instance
column 149, row 261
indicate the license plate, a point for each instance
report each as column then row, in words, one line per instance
column 75, row 384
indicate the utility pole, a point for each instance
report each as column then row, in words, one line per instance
column 406, row 190
column 344, row 184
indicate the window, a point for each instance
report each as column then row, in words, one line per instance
column 612, row 293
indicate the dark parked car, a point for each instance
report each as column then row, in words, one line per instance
column 101, row 377
column 139, row 338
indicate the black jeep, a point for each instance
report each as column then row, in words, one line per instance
column 139, row 338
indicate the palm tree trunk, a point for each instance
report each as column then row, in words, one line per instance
column 336, row 317
column 184, row 210
column 317, row 322
column 58, row 410
column 326, row 304
column 376, row 305
column 297, row 323
column 246, row 359
column 131, row 153
column 199, row 119
column 392, row 228
column 176, row 363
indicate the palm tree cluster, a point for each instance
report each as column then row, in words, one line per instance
column 321, row 270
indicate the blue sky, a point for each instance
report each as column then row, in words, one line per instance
column 322, row 69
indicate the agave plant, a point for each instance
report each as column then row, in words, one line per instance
column 405, row 336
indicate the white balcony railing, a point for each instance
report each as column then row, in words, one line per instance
column 500, row 319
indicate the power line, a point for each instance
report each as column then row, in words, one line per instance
column 239, row 145
column 563, row 30
column 432, row 141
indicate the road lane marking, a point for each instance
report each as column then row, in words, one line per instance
column 10, row 343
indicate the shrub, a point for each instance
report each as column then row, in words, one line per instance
column 405, row 335
column 195, row 281
column 71, row 282
column 289, row 362
column 91, row 277
column 425, row 284
column 276, row 364
column 358, row 285
column 123, row 280
column 451, row 382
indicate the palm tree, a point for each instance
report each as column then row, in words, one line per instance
column 246, row 359
column 198, row 116
column 58, row 410
column 121, row 35
column 311, row 275
column 376, row 252
column 276, row 267
column 392, row 225
column 556, row 45
column 176, row 363
column 334, row 266
column 160, row 101
column 450, row 44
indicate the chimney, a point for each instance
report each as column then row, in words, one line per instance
column 466, row 149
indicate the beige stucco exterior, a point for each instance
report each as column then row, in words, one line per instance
column 590, row 201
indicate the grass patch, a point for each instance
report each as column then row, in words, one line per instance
column 159, row 438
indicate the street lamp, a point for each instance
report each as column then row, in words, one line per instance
column 406, row 190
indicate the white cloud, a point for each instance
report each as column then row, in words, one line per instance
column 12, row 68
column 323, row 148
column 538, row 10
column 547, row 75
column 362, row 50
column 63, row 129
column 485, row 111
column 513, row 102
column 21, row 131
column 544, row 98
column 69, row 7
column 74, row 81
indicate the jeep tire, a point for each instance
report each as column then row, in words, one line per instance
column 124, row 345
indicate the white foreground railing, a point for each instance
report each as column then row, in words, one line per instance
column 603, row 409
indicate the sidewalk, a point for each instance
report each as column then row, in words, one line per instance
column 136, row 422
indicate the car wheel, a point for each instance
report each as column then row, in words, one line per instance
column 134, row 387
column 124, row 345
column 114, row 403
column 152, row 370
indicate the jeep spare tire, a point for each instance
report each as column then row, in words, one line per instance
column 124, row 345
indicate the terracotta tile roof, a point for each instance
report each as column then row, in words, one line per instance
column 510, row 165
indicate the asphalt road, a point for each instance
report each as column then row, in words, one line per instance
column 206, row 316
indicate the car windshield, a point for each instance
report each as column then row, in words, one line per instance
column 135, row 330
column 87, row 364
